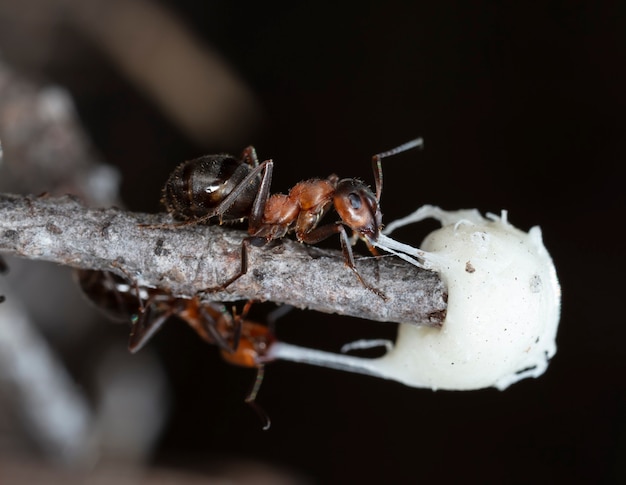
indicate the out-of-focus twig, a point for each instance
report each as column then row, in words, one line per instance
column 50, row 404
column 224, row 470
column 192, row 84
column 44, row 148
column 196, row 89
column 190, row 259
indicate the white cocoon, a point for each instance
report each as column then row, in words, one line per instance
column 503, row 308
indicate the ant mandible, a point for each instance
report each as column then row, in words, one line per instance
column 242, row 342
column 220, row 186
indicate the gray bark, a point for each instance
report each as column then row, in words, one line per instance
column 186, row 260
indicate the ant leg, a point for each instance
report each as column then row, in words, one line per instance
column 323, row 232
column 355, row 239
column 132, row 282
column 348, row 257
column 251, row 398
column 238, row 321
column 265, row 167
column 260, row 201
column 144, row 328
column 242, row 270
column 209, row 326
column 237, row 326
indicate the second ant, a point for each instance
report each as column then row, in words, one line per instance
column 241, row 341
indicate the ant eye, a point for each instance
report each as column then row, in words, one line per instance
column 355, row 201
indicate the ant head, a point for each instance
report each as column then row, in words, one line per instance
column 358, row 208
column 254, row 341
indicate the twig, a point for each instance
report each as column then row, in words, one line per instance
column 45, row 148
column 209, row 102
column 53, row 407
column 187, row 260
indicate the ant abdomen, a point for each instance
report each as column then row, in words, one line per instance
column 112, row 294
column 196, row 187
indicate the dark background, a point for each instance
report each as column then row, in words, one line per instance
column 521, row 108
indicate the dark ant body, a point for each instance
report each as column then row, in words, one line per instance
column 196, row 189
column 148, row 308
column 201, row 189
column 241, row 342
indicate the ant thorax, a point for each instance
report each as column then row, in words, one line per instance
column 301, row 209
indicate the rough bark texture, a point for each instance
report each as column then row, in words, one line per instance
column 185, row 260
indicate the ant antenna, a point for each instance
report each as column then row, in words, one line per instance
column 378, row 168
column 251, row 398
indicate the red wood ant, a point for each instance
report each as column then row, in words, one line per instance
column 147, row 309
column 222, row 186
column 241, row 342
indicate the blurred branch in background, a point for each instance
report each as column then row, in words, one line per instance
column 226, row 472
column 40, row 391
column 44, row 148
column 187, row 79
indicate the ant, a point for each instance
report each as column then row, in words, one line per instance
column 241, row 342
column 148, row 308
column 221, row 186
